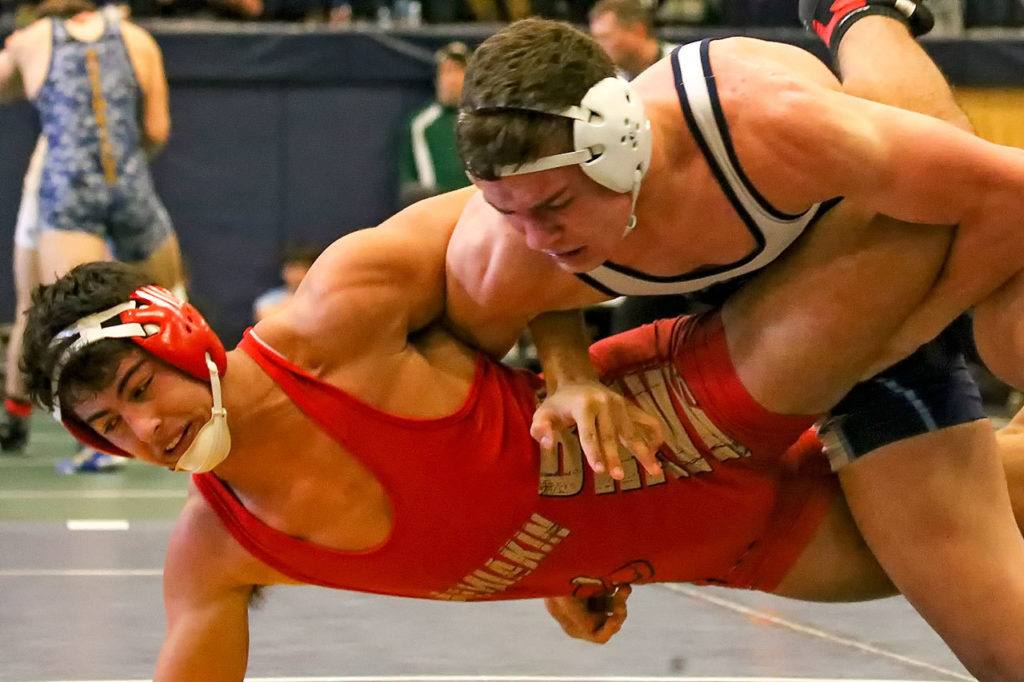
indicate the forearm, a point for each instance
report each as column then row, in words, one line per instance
column 562, row 347
column 206, row 643
column 184, row 659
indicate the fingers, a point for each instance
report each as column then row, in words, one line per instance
column 643, row 438
column 594, row 620
column 615, row 616
column 574, row 618
column 605, row 422
column 598, row 431
column 542, row 429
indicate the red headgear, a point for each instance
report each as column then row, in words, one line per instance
column 156, row 320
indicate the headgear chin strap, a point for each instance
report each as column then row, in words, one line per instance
column 157, row 321
column 212, row 443
column 611, row 140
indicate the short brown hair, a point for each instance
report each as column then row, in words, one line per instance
column 87, row 289
column 534, row 64
column 626, row 11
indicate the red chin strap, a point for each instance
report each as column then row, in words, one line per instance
column 161, row 324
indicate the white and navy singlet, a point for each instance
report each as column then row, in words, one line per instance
column 773, row 230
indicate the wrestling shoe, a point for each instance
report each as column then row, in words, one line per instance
column 13, row 433
column 89, row 461
column 830, row 19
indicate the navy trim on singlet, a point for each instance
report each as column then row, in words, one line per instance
column 590, row 281
column 723, row 182
column 823, row 208
column 723, row 127
column 701, row 271
column 752, row 227
column 751, row 223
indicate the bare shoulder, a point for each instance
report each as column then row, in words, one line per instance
column 203, row 555
column 769, row 63
column 36, row 34
column 138, row 36
column 142, row 47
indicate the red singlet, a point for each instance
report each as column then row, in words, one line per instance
column 480, row 513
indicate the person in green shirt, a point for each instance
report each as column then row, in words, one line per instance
column 429, row 162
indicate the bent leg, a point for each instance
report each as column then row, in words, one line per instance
column 838, row 565
column 806, row 329
column 936, row 513
column 879, row 60
column 26, row 278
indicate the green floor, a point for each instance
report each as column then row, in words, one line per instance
column 32, row 490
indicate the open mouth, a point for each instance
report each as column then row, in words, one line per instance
column 564, row 255
column 175, row 448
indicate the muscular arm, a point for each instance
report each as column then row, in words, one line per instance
column 390, row 279
column 149, row 67
column 916, row 169
column 207, row 586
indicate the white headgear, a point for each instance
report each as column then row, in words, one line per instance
column 611, row 139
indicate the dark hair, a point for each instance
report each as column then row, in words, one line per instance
column 87, row 289
column 533, row 63
column 63, row 9
column 625, row 11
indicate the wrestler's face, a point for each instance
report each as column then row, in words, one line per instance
column 563, row 214
column 150, row 410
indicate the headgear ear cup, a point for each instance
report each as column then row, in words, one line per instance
column 616, row 132
column 157, row 321
column 611, row 137
column 611, row 140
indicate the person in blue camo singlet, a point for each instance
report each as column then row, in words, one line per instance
column 99, row 87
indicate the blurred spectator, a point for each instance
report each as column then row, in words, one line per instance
column 295, row 264
column 429, row 162
column 623, row 28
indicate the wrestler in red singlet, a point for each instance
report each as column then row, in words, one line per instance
column 479, row 512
